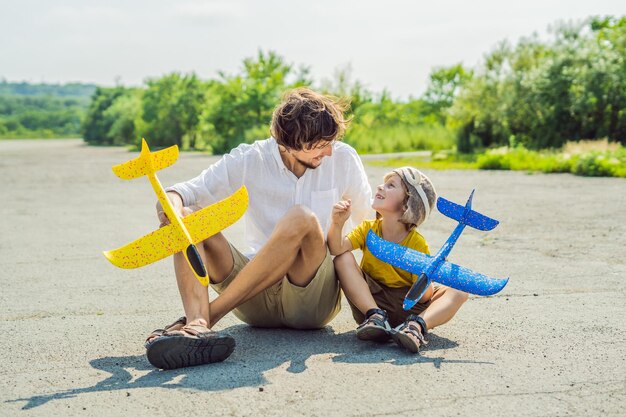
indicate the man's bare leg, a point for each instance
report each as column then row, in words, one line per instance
column 295, row 249
column 192, row 344
column 216, row 255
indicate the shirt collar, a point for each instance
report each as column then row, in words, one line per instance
column 276, row 153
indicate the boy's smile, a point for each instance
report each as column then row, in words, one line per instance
column 389, row 196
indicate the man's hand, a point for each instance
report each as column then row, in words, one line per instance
column 177, row 204
column 341, row 212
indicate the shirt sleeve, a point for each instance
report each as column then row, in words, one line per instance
column 214, row 183
column 358, row 234
column 358, row 189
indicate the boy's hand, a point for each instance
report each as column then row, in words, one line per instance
column 341, row 211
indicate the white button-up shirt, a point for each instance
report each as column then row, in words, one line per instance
column 273, row 189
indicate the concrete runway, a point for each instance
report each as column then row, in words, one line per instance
column 553, row 343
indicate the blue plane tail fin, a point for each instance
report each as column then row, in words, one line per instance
column 465, row 215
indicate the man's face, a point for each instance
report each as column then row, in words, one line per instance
column 312, row 158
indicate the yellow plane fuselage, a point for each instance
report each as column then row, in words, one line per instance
column 181, row 234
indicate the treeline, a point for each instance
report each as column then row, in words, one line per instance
column 43, row 110
column 538, row 94
column 62, row 90
column 542, row 94
column 219, row 114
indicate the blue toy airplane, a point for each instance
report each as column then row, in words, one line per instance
column 437, row 268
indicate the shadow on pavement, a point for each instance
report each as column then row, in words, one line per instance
column 257, row 351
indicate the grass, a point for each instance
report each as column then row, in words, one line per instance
column 598, row 158
column 441, row 160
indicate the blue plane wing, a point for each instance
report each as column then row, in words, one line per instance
column 397, row 255
column 466, row 280
column 447, row 273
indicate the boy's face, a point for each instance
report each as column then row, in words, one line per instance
column 312, row 158
column 389, row 196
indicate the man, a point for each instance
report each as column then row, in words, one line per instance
column 287, row 279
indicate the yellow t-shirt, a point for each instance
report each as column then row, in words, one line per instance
column 383, row 272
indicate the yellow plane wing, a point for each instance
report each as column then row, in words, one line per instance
column 170, row 239
column 152, row 247
column 208, row 221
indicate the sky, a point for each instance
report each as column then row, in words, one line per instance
column 390, row 44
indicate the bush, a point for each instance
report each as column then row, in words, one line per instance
column 494, row 160
column 601, row 164
column 586, row 161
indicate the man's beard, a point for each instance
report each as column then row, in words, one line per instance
column 306, row 164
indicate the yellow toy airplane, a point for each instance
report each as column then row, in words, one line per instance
column 181, row 234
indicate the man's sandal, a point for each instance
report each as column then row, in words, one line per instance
column 192, row 345
column 177, row 325
column 375, row 326
column 402, row 334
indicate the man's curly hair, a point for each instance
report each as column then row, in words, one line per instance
column 304, row 118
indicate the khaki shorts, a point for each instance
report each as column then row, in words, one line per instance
column 285, row 304
column 390, row 299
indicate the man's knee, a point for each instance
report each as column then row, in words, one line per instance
column 298, row 222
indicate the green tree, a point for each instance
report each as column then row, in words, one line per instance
column 541, row 94
column 96, row 126
column 344, row 86
column 443, row 86
column 240, row 106
column 171, row 107
column 123, row 116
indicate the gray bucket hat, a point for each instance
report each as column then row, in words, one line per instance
column 418, row 202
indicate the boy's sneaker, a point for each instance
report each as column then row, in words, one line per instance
column 375, row 327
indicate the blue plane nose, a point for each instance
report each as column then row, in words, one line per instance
column 408, row 304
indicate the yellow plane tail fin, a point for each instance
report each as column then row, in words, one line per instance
column 147, row 162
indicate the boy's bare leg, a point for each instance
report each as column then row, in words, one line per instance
column 443, row 307
column 295, row 249
column 352, row 283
